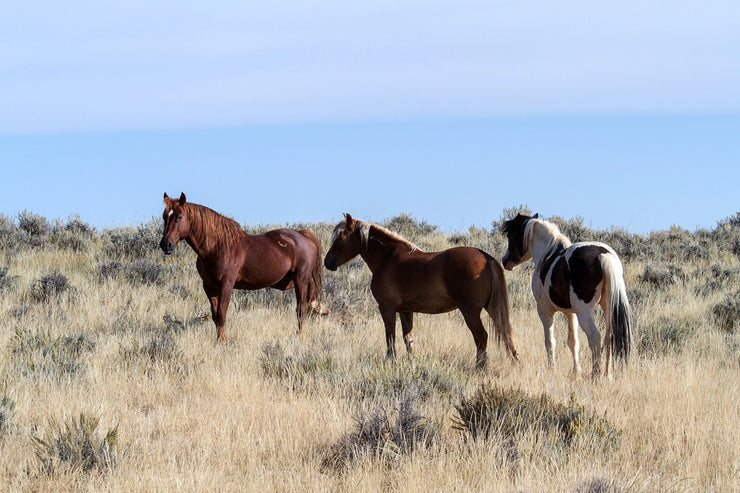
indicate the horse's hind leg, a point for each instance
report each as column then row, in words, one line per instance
column 407, row 325
column 480, row 336
column 586, row 320
column 314, row 305
column 301, row 302
column 608, row 349
column 573, row 343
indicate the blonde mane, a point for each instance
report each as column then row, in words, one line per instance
column 364, row 227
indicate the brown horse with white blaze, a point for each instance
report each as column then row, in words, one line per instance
column 407, row 280
column 229, row 258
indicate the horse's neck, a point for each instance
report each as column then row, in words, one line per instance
column 545, row 244
column 203, row 244
column 379, row 248
column 200, row 245
column 199, row 241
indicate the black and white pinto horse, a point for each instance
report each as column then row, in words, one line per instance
column 573, row 279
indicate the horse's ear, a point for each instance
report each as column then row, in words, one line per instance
column 182, row 198
column 166, row 199
column 536, row 215
column 350, row 221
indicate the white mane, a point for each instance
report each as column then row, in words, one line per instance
column 542, row 235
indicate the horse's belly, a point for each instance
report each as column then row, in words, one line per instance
column 250, row 285
column 252, row 282
column 426, row 302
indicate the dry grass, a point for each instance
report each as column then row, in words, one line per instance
column 270, row 411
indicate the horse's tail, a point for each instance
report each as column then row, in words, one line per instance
column 498, row 308
column 317, row 275
column 619, row 314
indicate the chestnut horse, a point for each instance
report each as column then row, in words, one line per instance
column 573, row 279
column 229, row 258
column 407, row 280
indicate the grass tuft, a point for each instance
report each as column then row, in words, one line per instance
column 40, row 354
column 7, row 411
column 51, row 287
column 665, row 335
column 77, row 444
column 303, row 368
column 383, row 435
column 509, row 414
column 430, row 378
column 726, row 314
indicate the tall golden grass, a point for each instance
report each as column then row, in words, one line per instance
column 132, row 345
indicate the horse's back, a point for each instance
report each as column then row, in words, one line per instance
column 469, row 272
column 301, row 247
column 436, row 282
column 285, row 236
column 467, row 260
column 578, row 269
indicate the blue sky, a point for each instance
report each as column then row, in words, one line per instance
column 625, row 113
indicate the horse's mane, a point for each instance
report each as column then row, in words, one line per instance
column 211, row 224
column 364, row 229
column 547, row 232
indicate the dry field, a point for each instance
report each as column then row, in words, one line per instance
column 111, row 379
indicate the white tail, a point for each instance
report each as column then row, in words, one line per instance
column 618, row 313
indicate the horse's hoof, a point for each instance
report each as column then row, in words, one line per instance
column 319, row 308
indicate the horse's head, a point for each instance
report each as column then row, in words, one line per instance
column 517, row 252
column 176, row 224
column 346, row 243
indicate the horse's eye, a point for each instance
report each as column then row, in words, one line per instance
column 178, row 219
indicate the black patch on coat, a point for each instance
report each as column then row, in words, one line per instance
column 585, row 270
column 560, row 283
column 553, row 254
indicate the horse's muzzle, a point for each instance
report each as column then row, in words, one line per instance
column 167, row 246
column 330, row 263
column 507, row 263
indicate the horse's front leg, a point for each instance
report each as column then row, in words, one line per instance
column 388, row 314
column 546, row 314
column 407, row 326
column 212, row 294
column 219, row 314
